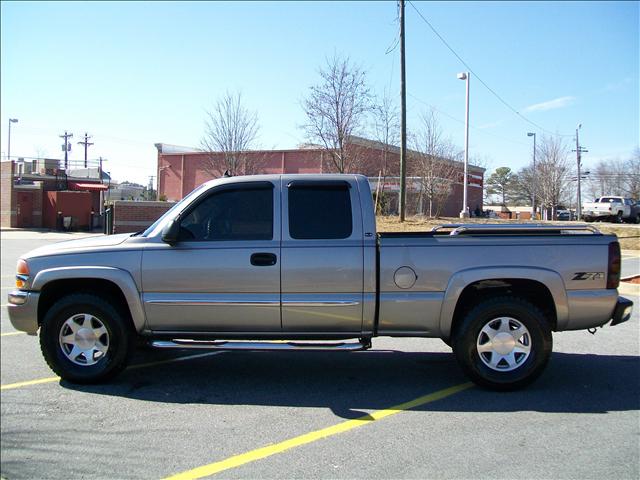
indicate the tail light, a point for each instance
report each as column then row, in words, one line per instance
column 613, row 272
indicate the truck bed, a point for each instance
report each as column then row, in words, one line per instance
column 451, row 254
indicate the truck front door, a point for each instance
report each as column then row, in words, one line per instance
column 223, row 275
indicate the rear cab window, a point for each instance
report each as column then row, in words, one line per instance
column 321, row 210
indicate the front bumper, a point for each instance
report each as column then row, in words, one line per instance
column 622, row 312
column 23, row 310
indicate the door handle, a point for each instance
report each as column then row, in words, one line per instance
column 263, row 259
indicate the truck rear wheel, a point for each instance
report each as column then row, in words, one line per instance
column 503, row 343
column 85, row 339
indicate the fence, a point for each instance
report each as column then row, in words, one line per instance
column 129, row 216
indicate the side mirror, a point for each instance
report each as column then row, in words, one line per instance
column 171, row 232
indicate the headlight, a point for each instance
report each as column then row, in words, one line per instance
column 22, row 273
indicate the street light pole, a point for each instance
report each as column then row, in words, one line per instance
column 464, row 213
column 533, row 200
column 579, row 161
column 11, row 120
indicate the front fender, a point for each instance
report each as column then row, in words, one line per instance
column 462, row 279
column 119, row 277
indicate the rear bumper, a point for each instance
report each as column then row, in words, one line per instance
column 595, row 214
column 595, row 308
column 23, row 310
column 622, row 312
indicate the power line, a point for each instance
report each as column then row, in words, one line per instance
column 480, row 130
column 480, row 79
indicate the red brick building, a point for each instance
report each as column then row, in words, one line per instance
column 37, row 196
column 180, row 170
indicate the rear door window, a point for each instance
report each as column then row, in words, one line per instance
column 321, row 211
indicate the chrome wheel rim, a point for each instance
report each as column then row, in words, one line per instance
column 84, row 339
column 504, row 344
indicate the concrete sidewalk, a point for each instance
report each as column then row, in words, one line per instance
column 42, row 233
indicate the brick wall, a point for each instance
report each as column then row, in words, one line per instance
column 27, row 202
column 129, row 216
column 8, row 216
column 71, row 204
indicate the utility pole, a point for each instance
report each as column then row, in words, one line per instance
column 66, row 148
column 533, row 200
column 86, row 144
column 403, row 120
column 579, row 151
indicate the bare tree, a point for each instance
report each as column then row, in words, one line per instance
column 386, row 128
column 230, row 131
column 632, row 170
column 40, row 151
column 552, row 171
column 433, row 162
column 616, row 177
column 336, row 108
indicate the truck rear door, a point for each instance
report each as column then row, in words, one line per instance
column 322, row 255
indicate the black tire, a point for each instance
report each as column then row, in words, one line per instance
column 467, row 336
column 121, row 339
column 618, row 217
column 588, row 219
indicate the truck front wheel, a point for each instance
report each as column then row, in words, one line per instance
column 503, row 343
column 85, row 339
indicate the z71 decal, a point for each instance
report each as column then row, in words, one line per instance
column 588, row 276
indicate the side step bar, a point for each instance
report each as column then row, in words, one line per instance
column 363, row 344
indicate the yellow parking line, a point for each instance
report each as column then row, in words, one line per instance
column 310, row 437
column 8, row 334
column 11, row 386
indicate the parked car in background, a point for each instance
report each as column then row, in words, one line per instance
column 612, row 208
column 564, row 214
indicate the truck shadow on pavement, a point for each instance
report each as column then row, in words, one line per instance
column 350, row 384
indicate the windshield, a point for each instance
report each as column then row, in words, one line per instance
column 173, row 210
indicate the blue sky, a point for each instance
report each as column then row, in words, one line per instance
column 133, row 74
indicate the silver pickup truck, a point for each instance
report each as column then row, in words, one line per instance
column 247, row 262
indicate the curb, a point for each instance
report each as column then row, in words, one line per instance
column 629, row 289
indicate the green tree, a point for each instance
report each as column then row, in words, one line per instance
column 500, row 183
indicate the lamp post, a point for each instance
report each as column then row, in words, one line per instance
column 464, row 213
column 579, row 151
column 533, row 200
column 11, row 120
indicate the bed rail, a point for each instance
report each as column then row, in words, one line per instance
column 519, row 229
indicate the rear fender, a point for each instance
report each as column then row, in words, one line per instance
column 460, row 280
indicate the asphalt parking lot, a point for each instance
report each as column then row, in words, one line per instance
column 400, row 410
